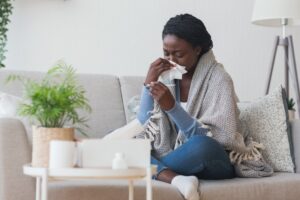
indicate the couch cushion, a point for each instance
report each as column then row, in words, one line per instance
column 280, row 186
column 103, row 92
column 15, row 88
column 109, row 190
column 265, row 120
column 131, row 86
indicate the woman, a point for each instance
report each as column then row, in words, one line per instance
column 190, row 130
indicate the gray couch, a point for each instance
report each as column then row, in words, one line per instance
column 108, row 94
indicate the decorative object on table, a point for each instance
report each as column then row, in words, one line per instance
column 62, row 154
column 281, row 13
column 119, row 161
column 291, row 109
column 5, row 11
column 53, row 105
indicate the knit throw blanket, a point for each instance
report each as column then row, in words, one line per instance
column 212, row 101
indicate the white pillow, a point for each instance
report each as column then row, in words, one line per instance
column 8, row 109
column 8, row 105
column 265, row 120
column 128, row 131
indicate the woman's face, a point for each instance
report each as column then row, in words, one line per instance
column 181, row 52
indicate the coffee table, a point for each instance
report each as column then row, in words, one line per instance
column 44, row 175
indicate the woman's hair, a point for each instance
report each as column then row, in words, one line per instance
column 189, row 28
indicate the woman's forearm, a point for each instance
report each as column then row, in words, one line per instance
column 187, row 124
column 146, row 106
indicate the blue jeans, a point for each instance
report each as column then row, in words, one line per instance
column 200, row 156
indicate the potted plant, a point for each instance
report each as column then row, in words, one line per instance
column 52, row 105
column 5, row 11
column 291, row 109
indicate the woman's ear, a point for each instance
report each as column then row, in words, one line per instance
column 198, row 50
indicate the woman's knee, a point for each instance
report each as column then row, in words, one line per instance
column 203, row 141
column 206, row 145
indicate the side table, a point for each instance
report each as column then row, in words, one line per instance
column 44, row 175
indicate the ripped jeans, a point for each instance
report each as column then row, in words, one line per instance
column 200, row 156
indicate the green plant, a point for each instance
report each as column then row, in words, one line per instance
column 291, row 104
column 55, row 100
column 5, row 12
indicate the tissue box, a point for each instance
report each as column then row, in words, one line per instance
column 98, row 153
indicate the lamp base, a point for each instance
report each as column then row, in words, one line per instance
column 289, row 58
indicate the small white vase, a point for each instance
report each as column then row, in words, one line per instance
column 119, row 161
column 291, row 114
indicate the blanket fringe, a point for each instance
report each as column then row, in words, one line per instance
column 253, row 153
column 152, row 128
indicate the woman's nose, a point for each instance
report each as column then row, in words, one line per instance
column 172, row 58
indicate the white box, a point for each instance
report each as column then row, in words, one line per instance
column 100, row 153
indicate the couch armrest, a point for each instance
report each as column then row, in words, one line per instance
column 15, row 151
column 295, row 127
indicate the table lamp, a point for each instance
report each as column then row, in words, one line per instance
column 280, row 13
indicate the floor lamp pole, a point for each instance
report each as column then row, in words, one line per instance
column 289, row 66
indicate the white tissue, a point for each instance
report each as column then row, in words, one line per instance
column 175, row 72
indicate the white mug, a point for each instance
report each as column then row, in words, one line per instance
column 62, row 154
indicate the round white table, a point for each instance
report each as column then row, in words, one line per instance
column 44, row 175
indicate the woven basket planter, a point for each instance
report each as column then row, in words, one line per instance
column 41, row 138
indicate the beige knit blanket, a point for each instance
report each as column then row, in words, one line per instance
column 212, row 101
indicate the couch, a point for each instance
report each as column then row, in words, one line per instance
column 108, row 97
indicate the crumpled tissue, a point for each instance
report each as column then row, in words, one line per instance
column 175, row 72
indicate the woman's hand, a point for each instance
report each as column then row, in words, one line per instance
column 162, row 95
column 156, row 68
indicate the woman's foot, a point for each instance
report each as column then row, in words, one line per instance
column 187, row 185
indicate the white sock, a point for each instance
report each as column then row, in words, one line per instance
column 187, row 185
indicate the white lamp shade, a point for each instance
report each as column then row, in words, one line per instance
column 271, row 12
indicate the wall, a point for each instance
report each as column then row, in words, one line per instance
column 123, row 37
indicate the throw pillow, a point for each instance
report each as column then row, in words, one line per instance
column 8, row 109
column 265, row 120
column 128, row 131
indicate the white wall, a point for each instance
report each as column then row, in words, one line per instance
column 123, row 37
